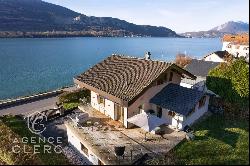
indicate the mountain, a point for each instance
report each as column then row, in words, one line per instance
column 36, row 18
column 230, row 27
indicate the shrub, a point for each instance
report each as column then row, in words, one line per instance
column 69, row 97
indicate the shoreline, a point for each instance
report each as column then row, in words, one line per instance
column 48, row 37
column 125, row 37
column 65, row 34
column 35, row 94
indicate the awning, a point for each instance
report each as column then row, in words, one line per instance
column 146, row 121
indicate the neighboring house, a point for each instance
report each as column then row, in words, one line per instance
column 237, row 45
column 200, row 69
column 122, row 87
column 218, row 56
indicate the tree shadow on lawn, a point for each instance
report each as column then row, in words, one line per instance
column 225, row 136
column 222, row 129
column 217, row 141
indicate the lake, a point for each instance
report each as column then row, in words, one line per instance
column 29, row 66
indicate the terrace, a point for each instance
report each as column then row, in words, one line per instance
column 100, row 135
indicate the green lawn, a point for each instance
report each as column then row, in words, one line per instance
column 217, row 141
column 12, row 127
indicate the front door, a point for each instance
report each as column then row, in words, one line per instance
column 119, row 112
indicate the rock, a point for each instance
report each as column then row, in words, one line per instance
column 190, row 136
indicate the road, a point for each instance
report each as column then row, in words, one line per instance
column 29, row 107
column 32, row 106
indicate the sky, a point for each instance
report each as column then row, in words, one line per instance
column 178, row 15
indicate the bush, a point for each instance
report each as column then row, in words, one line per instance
column 69, row 97
column 70, row 106
column 231, row 81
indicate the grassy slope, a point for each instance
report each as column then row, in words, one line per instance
column 19, row 127
column 218, row 141
column 7, row 137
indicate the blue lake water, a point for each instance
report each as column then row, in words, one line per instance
column 29, row 66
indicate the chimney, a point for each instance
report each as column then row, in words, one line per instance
column 147, row 55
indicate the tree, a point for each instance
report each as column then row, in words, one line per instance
column 182, row 60
column 230, row 81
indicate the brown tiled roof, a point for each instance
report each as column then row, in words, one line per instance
column 236, row 39
column 124, row 77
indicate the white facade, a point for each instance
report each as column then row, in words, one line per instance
column 214, row 58
column 75, row 142
column 237, row 50
column 189, row 120
column 107, row 108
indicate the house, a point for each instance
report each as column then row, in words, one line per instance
column 218, row 56
column 122, row 87
column 200, row 69
column 237, row 45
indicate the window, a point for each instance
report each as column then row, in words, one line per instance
column 101, row 100
column 159, row 112
column 171, row 76
column 159, row 82
column 141, row 108
column 246, row 48
column 166, row 77
column 202, row 101
column 162, row 79
column 84, row 149
column 192, row 111
column 171, row 113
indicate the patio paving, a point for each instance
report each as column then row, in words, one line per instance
column 102, row 137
